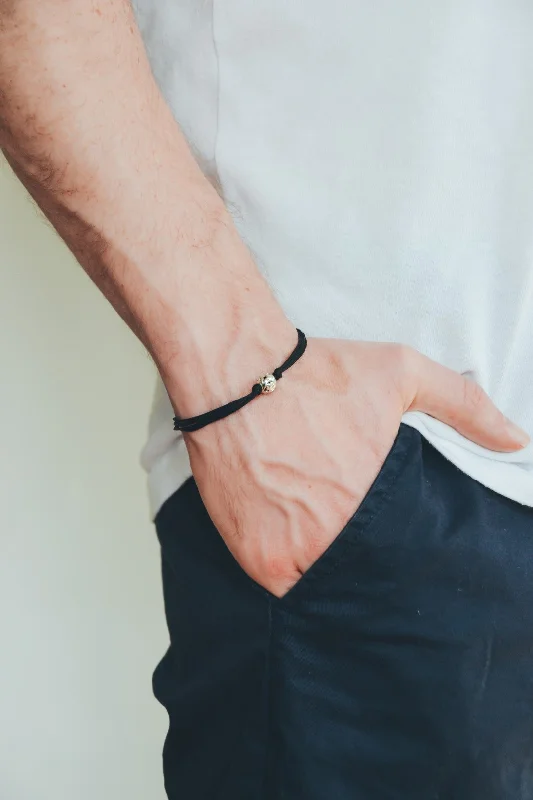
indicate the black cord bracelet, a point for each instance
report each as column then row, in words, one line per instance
column 265, row 385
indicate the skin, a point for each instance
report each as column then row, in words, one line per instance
column 85, row 128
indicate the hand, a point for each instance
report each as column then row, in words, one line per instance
column 282, row 477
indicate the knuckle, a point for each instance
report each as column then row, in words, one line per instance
column 278, row 575
column 402, row 356
column 314, row 548
column 474, row 398
column 408, row 358
column 277, row 568
column 406, row 361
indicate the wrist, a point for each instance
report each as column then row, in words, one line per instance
column 215, row 364
column 213, row 342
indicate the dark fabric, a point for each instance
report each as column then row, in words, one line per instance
column 400, row 666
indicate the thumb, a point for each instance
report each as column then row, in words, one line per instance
column 462, row 404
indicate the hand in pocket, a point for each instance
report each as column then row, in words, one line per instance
column 282, row 477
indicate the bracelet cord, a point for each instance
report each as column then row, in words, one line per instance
column 195, row 423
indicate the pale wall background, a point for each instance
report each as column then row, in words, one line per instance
column 81, row 617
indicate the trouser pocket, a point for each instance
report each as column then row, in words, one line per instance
column 400, row 666
column 406, row 670
column 215, row 679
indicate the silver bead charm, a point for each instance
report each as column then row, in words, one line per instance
column 267, row 383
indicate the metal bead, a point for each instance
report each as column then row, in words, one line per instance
column 267, row 383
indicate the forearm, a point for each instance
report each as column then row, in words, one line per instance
column 86, row 129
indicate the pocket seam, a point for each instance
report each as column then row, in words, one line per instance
column 357, row 524
column 385, row 484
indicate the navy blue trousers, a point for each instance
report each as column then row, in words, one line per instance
column 400, row 666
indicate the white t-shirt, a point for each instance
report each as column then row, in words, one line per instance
column 378, row 158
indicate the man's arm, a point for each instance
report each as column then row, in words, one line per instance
column 86, row 129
